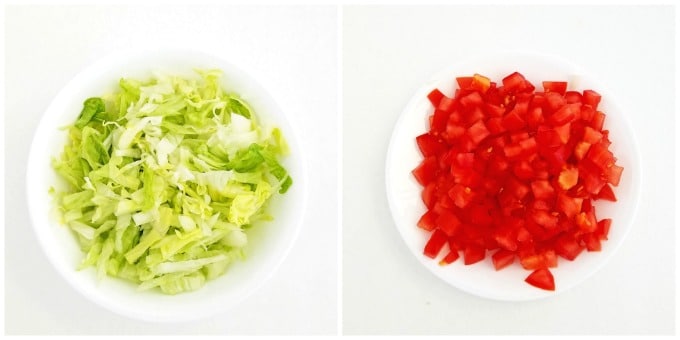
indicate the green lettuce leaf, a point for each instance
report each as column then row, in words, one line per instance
column 165, row 176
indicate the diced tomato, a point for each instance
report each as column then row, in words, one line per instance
column 573, row 97
column 569, row 206
column 565, row 114
column 544, row 218
column 473, row 254
column 464, row 82
column 430, row 145
column 435, row 244
column 555, row 86
column 428, row 195
column 446, row 104
column 478, row 132
column 448, row 222
column 471, row 100
column 592, row 242
column 534, row 117
column 591, row 98
column 480, row 83
column 606, row 193
column 614, row 174
column 542, row 189
column 502, row 258
column 568, row 178
column 591, row 136
column 514, row 171
column 564, row 132
column 546, row 259
column 515, row 82
column 554, row 101
column 428, row 220
column 568, row 247
column 580, row 150
column 597, row 122
column 541, row 278
column 494, row 110
column 438, row 122
column 426, row 172
column 461, row 195
column 435, row 96
column 451, row 257
column 586, row 222
column 602, row 230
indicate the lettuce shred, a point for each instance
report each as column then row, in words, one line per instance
column 165, row 176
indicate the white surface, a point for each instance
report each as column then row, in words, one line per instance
column 404, row 192
column 268, row 243
column 291, row 51
column 392, row 52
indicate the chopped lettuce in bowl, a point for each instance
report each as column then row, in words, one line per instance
column 162, row 180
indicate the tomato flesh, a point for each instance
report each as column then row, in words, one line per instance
column 541, row 278
column 515, row 172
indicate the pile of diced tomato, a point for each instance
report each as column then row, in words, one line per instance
column 513, row 172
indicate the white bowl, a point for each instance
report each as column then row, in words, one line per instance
column 482, row 279
column 269, row 242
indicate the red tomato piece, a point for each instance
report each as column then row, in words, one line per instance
column 613, row 173
column 478, row 131
column 592, row 242
column 430, row 145
column 464, row 82
column 597, row 122
column 544, row 218
column 426, row 172
column 502, row 259
column 591, row 98
column 569, row 206
column 513, row 122
column 448, row 222
column 565, row 114
column 435, row 244
column 435, row 96
column 542, row 189
column 516, row 82
column 473, row 254
column 541, row 278
column 428, row 195
column 568, row 178
column 428, row 220
column 451, row 257
column 516, row 171
column 591, row 136
column 554, row 101
column 573, row 97
column 606, row 193
column 471, row 100
column 602, row 230
column 580, row 150
column 480, row 83
column 586, row 221
column 555, row 86
column 568, row 247
column 461, row 195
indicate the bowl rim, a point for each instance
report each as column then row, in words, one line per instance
column 294, row 139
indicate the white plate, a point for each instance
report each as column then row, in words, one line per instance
column 268, row 244
column 482, row 279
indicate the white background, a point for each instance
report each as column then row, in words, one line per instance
column 291, row 51
column 388, row 52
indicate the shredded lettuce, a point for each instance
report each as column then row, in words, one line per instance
column 166, row 175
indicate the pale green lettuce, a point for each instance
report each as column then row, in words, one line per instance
column 165, row 175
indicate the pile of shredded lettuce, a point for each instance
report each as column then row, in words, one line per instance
column 165, row 175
